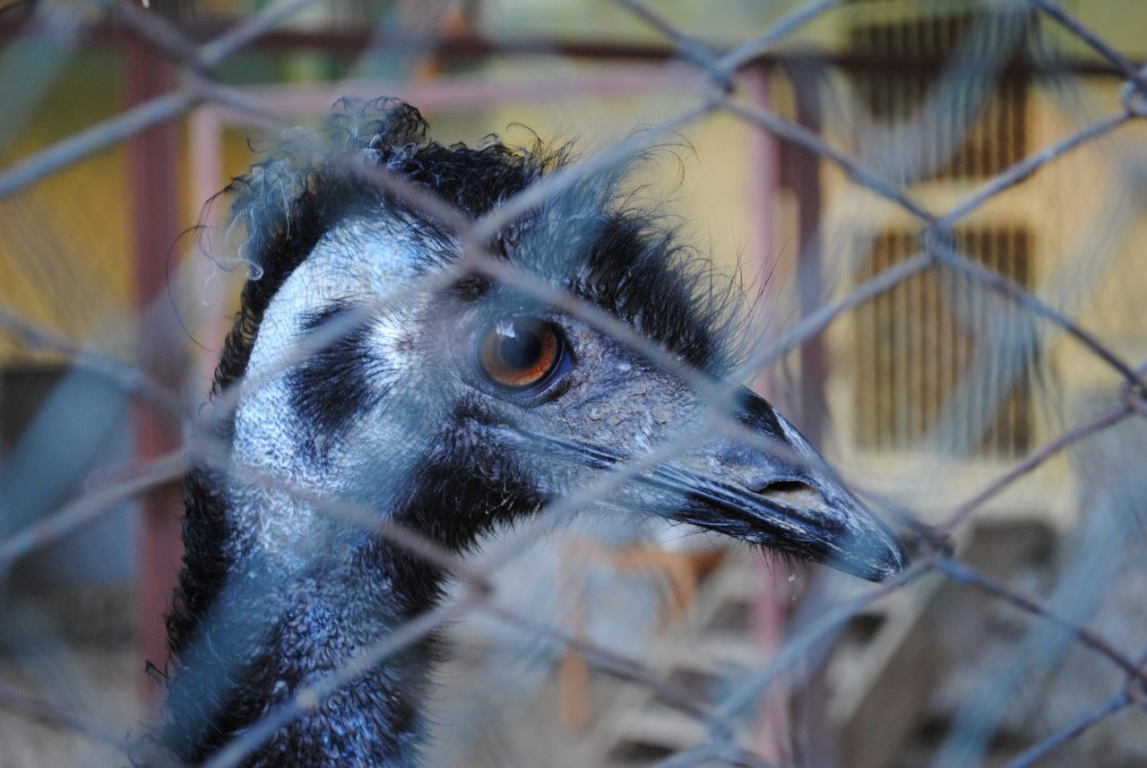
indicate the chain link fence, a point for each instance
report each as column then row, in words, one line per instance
column 919, row 331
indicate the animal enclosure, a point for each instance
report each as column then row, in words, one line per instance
column 921, row 218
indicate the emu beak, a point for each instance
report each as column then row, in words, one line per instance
column 782, row 500
column 789, row 506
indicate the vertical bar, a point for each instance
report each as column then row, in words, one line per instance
column 876, row 364
column 886, row 332
column 861, row 389
column 901, row 367
column 917, row 351
column 945, row 327
column 205, row 144
column 770, row 736
column 930, row 362
column 883, row 335
column 763, row 156
column 810, row 283
column 152, row 161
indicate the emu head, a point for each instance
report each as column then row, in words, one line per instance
column 450, row 401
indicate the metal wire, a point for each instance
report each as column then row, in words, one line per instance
column 719, row 90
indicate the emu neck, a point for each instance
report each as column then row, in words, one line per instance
column 273, row 628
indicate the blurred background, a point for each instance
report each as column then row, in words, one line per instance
column 922, row 395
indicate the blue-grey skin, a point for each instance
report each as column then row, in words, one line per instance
column 398, row 416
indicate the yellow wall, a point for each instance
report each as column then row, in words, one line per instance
column 64, row 243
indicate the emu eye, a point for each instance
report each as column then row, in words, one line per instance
column 519, row 353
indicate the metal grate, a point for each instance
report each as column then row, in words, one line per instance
column 980, row 127
column 916, row 344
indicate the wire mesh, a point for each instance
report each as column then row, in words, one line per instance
column 962, row 208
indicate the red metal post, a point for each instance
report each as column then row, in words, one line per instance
column 155, row 222
column 808, row 726
column 805, row 180
column 770, row 612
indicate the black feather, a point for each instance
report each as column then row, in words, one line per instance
column 333, row 384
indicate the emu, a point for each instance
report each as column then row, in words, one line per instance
column 449, row 412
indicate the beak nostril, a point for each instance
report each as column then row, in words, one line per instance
column 794, row 493
column 785, row 486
